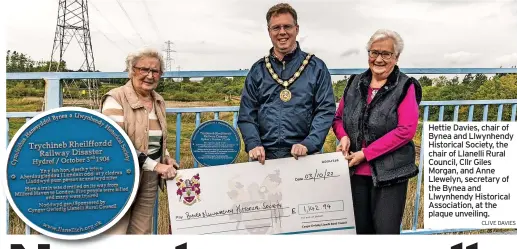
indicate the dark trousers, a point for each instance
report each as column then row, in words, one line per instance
column 377, row 210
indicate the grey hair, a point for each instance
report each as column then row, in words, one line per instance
column 382, row 34
column 133, row 58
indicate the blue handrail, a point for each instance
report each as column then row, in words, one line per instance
column 237, row 73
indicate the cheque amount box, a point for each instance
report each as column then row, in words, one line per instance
column 321, row 207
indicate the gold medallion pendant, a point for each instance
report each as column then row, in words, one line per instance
column 285, row 95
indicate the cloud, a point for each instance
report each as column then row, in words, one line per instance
column 512, row 7
column 460, row 57
column 232, row 34
column 507, row 60
column 349, row 52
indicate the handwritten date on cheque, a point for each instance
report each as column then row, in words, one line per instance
column 317, row 175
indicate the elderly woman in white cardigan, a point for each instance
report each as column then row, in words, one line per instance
column 140, row 111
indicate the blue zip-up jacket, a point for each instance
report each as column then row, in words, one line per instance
column 266, row 120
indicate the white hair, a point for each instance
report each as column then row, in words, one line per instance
column 133, row 58
column 382, row 34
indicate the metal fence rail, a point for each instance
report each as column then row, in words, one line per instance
column 54, row 100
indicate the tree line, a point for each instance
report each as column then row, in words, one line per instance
column 470, row 87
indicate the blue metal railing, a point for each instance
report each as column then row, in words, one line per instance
column 54, row 99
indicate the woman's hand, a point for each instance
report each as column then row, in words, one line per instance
column 167, row 171
column 355, row 158
column 172, row 162
column 344, row 145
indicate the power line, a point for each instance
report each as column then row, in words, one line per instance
column 112, row 42
column 113, row 26
column 151, row 19
column 130, row 21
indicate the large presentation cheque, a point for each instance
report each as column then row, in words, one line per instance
column 284, row 196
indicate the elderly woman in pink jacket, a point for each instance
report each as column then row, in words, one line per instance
column 376, row 120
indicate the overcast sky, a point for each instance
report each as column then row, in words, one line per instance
column 230, row 35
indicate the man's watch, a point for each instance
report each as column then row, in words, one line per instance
column 141, row 159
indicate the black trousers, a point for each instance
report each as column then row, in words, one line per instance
column 377, row 210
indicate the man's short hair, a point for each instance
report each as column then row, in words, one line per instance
column 281, row 8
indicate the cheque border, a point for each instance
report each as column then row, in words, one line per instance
column 319, row 230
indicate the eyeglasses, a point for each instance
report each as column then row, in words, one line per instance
column 384, row 54
column 145, row 71
column 277, row 28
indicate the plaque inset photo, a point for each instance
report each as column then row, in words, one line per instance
column 71, row 173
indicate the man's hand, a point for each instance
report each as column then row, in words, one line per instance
column 167, row 171
column 259, row 154
column 299, row 150
column 355, row 158
column 344, row 145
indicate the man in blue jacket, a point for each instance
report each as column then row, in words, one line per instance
column 287, row 104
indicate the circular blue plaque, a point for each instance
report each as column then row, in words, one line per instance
column 215, row 142
column 72, row 173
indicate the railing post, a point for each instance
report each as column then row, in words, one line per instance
column 485, row 113
column 500, row 113
column 7, row 202
column 155, row 211
column 235, row 119
column 456, row 111
column 471, row 113
column 198, row 122
column 53, row 94
column 178, row 137
column 27, row 227
column 420, row 171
